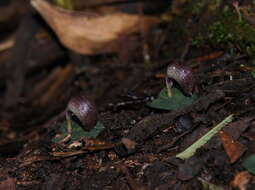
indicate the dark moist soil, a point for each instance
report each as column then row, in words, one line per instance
column 34, row 105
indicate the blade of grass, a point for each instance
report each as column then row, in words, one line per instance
column 209, row 186
column 190, row 151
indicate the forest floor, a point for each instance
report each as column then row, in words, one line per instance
column 221, row 56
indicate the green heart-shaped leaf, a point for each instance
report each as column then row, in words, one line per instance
column 78, row 132
column 176, row 101
column 253, row 73
column 249, row 164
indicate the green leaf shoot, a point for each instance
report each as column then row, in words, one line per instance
column 190, row 151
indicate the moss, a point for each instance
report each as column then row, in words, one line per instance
column 228, row 31
column 198, row 6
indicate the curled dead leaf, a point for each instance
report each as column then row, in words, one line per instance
column 241, row 180
column 233, row 148
column 92, row 32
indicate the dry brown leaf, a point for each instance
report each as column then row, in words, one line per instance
column 233, row 148
column 92, row 33
column 236, row 129
column 241, row 180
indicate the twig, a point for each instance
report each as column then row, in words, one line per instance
column 167, row 146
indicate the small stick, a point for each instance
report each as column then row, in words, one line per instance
column 167, row 146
